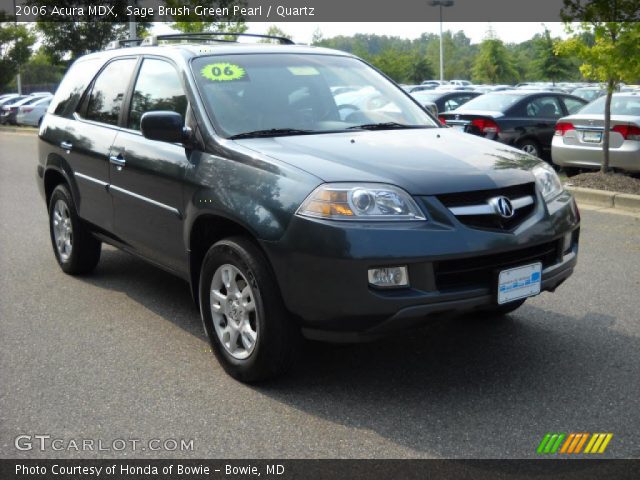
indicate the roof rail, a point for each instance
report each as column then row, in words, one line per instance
column 152, row 40
column 123, row 43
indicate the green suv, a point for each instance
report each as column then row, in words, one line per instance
column 298, row 190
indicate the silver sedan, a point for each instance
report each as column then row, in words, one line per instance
column 32, row 114
column 577, row 142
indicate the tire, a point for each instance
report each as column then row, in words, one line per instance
column 75, row 249
column 253, row 337
column 531, row 147
column 499, row 311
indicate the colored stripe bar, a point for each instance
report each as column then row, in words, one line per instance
column 593, row 440
column 555, row 447
column 565, row 447
column 606, row 441
column 550, row 443
column 581, row 443
column 575, row 442
column 543, row 443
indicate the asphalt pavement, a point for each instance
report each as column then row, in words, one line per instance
column 120, row 354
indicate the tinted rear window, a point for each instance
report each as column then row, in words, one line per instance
column 73, row 86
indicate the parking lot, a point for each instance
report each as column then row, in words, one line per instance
column 122, row 354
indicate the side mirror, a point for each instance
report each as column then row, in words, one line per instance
column 163, row 126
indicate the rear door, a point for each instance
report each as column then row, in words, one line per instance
column 86, row 140
column 541, row 114
column 146, row 175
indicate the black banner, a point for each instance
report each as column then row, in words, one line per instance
column 301, row 10
column 574, row 469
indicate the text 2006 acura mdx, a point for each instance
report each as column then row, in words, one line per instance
column 291, row 204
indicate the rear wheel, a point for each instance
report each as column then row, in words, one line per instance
column 531, row 147
column 250, row 331
column 76, row 250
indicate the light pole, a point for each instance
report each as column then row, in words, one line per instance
column 441, row 3
column 18, row 77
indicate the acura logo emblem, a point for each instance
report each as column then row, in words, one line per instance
column 502, row 206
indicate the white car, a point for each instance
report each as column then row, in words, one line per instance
column 32, row 114
column 577, row 142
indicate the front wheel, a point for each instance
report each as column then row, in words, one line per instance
column 249, row 329
column 76, row 250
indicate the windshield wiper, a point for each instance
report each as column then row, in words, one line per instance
column 384, row 126
column 271, row 132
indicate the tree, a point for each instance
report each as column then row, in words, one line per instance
column 68, row 40
column 193, row 23
column 493, row 64
column 317, row 36
column 420, row 69
column 613, row 57
column 274, row 31
column 41, row 69
column 551, row 64
column 15, row 50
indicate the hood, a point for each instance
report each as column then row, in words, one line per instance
column 421, row 161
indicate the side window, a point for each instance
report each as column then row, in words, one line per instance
column 572, row 104
column 546, row 107
column 158, row 87
column 73, row 86
column 108, row 92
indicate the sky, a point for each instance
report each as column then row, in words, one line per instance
column 302, row 32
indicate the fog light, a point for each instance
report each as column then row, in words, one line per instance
column 567, row 242
column 389, row 277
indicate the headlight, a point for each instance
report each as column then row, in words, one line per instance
column 360, row 201
column 548, row 182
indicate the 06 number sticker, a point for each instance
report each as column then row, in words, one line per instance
column 223, row 72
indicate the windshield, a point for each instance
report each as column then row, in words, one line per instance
column 620, row 105
column 493, row 102
column 306, row 93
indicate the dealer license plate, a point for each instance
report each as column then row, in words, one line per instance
column 519, row 282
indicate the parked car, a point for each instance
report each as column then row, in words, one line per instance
column 11, row 99
column 462, row 83
column 437, row 83
column 9, row 112
column 232, row 167
column 32, row 115
column 578, row 138
column 589, row 93
column 520, row 118
column 445, row 100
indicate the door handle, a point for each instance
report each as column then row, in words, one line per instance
column 66, row 146
column 118, row 161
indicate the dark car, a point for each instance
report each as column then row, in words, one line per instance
column 232, row 166
column 519, row 118
column 445, row 100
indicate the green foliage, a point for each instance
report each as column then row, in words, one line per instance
column 551, row 64
column 213, row 23
column 41, row 69
column 494, row 63
column 15, row 50
column 274, row 31
column 612, row 57
column 66, row 41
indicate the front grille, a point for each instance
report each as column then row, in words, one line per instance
column 481, row 272
column 481, row 197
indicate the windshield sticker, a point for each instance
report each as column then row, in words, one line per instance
column 223, row 72
column 303, row 71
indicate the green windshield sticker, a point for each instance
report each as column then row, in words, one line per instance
column 304, row 71
column 223, row 72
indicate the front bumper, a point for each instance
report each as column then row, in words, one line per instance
column 321, row 267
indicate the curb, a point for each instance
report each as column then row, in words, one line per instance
column 603, row 198
column 18, row 129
